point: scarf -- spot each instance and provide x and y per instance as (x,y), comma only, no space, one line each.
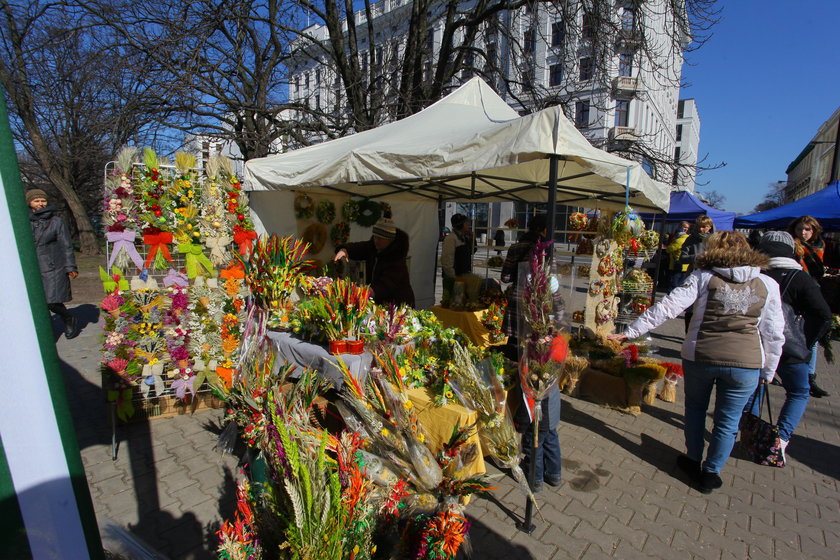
(784,262)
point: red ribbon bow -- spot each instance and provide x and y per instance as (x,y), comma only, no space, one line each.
(244,238)
(157,242)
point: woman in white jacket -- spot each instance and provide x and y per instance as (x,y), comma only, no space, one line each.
(734,339)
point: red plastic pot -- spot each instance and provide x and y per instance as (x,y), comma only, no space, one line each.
(355,346)
(338,347)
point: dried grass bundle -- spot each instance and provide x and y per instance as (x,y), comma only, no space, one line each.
(570,379)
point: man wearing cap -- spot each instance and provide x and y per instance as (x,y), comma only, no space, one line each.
(458,248)
(55,257)
(386,268)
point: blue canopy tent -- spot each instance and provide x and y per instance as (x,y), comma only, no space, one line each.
(686,207)
(824,205)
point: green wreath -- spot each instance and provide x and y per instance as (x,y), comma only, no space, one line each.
(325,212)
(369,213)
(303,206)
(350,211)
(340,233)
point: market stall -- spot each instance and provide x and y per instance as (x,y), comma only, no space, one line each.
(489,154)
(824,205)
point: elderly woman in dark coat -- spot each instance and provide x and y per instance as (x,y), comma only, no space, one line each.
(55,257)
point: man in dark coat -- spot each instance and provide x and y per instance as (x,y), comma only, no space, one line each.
(386,268)
(55,257)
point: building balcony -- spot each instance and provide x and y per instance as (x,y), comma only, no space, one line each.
(624,134)
(625,85)
(629,37)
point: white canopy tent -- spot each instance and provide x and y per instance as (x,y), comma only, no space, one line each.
(469,146)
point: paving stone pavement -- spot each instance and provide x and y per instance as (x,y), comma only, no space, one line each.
(621,496)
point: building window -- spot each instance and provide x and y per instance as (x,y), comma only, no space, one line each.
(558,34)
(622,112)
(628,20)
(582,114)
(467,70)
(679,132)
(680,109)
(648,167)
(625,64)
(555,74)
(677,154)
(364,58)
(430,40)
(378,56)
(318,101)
(528,76)
(586,68)
(297,87)
(306,81)
(675,180)
(529,43)
(491,56)
(318,77)
(587,30)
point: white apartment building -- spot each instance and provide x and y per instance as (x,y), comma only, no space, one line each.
(811,170)
(618,98)
(687,145)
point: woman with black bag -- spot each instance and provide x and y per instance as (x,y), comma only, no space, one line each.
(802,297)
(810,249)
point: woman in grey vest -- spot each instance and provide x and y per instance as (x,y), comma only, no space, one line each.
(735,337)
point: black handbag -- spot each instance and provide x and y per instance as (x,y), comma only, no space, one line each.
(795,346)
(760,438)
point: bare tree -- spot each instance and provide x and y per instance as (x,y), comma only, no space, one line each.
(713,198)
(71,104)
(221,62)
(377,80)
(774,198)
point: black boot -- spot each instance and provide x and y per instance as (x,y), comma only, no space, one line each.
(816,391)
(71,326)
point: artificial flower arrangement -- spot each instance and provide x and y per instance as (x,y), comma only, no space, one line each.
(542,343)
(334,313)
(673,373)
(492,321)
(273,271)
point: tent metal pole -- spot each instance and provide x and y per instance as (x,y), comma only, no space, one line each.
(527,525)
(627,189)
(552,198)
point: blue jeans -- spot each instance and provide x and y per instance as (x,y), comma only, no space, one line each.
(734,388)
(797,392)
(548,453)
(812,365)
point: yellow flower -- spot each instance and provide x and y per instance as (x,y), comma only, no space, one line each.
(385,432)
(421,438)
(407,405)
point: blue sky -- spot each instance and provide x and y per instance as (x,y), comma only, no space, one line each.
(764,83)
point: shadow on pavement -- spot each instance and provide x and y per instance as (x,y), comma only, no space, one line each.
(651,450)
(486,543)
(816,454)
(179,537)
(86,314)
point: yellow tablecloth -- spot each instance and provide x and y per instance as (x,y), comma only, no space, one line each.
(468,321)
(439,423)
